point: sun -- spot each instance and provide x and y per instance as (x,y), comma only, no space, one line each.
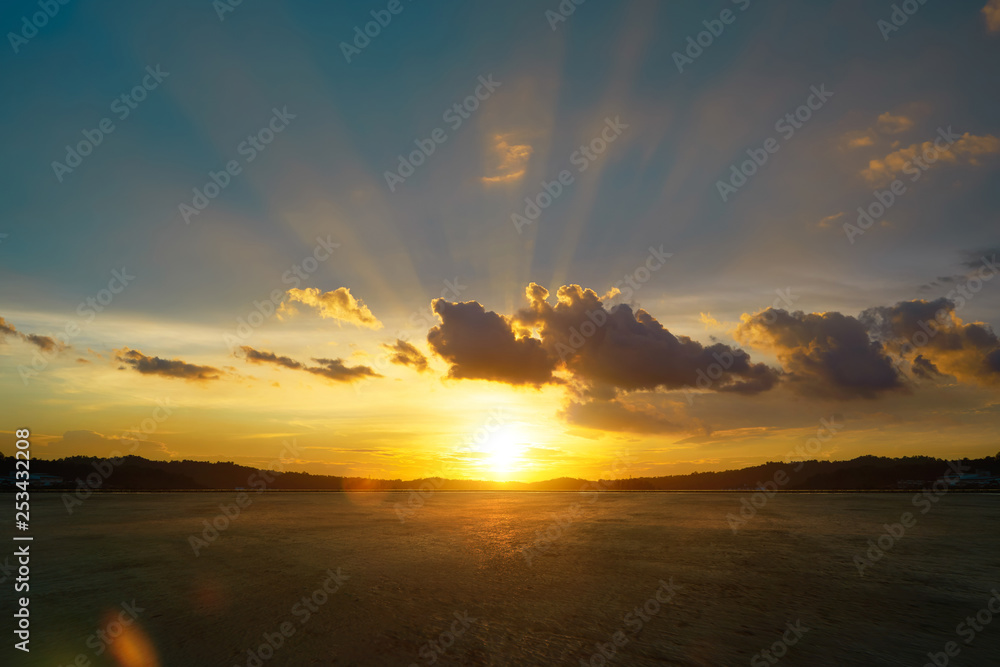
(505,451)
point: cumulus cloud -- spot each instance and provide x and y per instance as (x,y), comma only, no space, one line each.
(481,344)
(174,368)
(602,350)
(331,369)
(967,147)
(937,340)
(511,160)
(405,354)
(826,354)
(633,351)
(44,343)
(991,12)
(338,304)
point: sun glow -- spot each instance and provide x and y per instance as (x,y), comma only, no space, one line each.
(505,452)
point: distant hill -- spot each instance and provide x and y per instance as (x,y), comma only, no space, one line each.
(865,473)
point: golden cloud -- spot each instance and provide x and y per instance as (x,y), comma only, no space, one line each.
(919,156)
(894,124)
(511,160)
(338,304)
(992,14)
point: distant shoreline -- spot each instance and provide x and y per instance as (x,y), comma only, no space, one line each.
(440,491)
(80,476)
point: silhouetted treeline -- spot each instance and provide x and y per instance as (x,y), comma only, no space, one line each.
(863,473)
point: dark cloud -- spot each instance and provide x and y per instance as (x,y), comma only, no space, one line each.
(405,354)
(335,369)
(932,330)
(633,351)
(264,357)
(174,368)
(825,353)
(481,344)
(940,282)
(603,351)
(976,259)
(924,369)
(332,369)
(44,343)
(6,329)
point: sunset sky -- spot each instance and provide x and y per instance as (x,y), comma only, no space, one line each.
(649,310)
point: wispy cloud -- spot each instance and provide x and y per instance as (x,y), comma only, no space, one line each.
(172,368)
(968,147)
(511,160)
(331,369)
(894,124)
(44,343)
